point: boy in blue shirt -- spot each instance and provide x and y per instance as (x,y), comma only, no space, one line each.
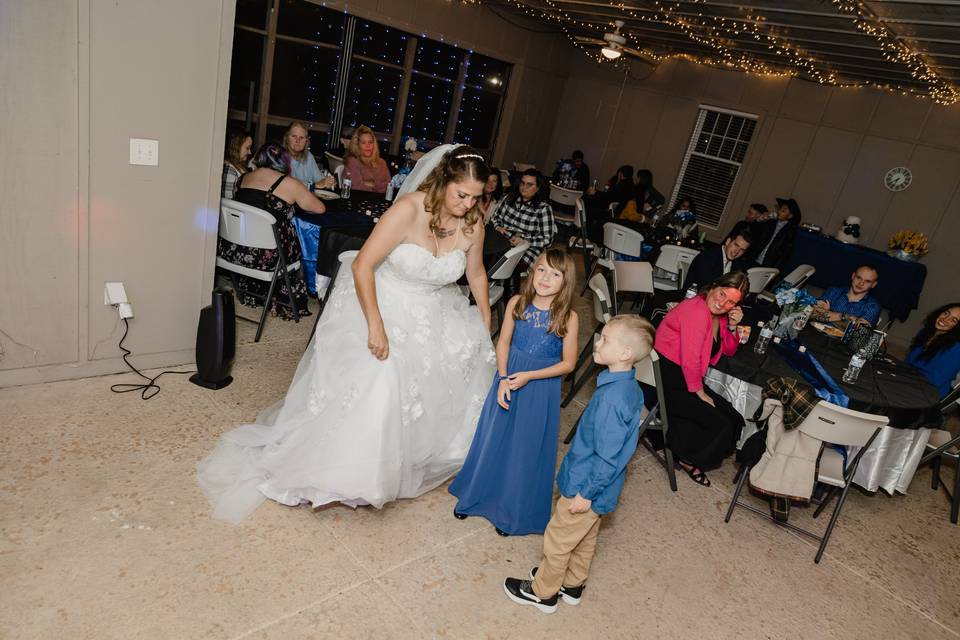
(592,473)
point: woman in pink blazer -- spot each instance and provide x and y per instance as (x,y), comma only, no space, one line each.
(704,428)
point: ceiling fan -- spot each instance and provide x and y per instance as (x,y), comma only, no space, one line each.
(614,44)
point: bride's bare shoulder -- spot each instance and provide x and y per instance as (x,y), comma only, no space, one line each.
(408,207)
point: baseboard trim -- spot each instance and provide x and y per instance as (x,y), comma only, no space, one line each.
(90,369)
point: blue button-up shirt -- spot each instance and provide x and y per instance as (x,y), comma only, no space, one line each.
(596,464)
(868,308)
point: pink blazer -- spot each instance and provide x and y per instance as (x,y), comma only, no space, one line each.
(685,338)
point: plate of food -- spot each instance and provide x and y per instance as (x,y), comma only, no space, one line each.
(828,329)
(323,194)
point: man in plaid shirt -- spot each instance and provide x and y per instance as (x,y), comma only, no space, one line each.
(525,215)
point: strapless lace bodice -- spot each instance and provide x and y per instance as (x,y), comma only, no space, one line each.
(415,269)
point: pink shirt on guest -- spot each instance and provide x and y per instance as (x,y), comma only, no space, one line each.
(685,337)
(363,177)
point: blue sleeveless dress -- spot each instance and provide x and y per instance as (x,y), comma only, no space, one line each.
(508,475)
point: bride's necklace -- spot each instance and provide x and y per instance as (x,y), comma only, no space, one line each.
(444,234)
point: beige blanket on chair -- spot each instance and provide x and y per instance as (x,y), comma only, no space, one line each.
(788,466)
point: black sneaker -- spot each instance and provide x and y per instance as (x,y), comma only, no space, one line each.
(570,595)
(521,592)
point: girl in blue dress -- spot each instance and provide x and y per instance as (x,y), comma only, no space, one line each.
(508,475)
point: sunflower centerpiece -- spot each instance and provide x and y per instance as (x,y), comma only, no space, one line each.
(908,245)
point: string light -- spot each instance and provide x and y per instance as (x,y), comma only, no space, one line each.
(716,33)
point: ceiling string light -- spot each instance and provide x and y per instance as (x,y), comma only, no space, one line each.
(719,33)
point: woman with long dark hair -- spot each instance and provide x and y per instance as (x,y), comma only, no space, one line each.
(492,194)
(704,427)
(525,215)
(935,350)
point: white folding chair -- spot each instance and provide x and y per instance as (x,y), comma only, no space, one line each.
(648,373)
(760,277)
(831,424)
(623,240)
(499,274)
(632,277)
(796,278)
(505,178)
(334,162)
(252,227)
(683,268)
(338,171)
(523,166)
(667,274)
(566,198)
(580,239)
(603,310)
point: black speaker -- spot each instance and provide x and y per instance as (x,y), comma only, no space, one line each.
(216,342)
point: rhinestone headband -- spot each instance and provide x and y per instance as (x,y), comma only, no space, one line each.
(469,155)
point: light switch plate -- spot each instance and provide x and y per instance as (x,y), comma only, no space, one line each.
(144,151)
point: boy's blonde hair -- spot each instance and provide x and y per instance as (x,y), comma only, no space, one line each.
(635,332)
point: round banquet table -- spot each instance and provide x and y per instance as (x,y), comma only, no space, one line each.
(886,386)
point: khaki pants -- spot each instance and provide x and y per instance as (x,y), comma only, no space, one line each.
(568,546)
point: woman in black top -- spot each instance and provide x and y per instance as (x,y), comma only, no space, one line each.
(269,188)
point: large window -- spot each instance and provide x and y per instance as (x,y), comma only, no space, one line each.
(301,61)
(713,160)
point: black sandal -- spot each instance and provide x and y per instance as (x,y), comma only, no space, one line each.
(696,474)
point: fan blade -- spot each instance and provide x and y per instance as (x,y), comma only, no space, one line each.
(640,54)
(588,40)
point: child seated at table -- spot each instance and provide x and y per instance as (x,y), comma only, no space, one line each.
(593,471)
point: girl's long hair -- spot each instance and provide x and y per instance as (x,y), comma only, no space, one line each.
(941,342)
(560,307)
(458,164)
(235,139)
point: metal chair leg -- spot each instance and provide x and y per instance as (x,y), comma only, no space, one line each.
(670,465)
(573,431)
(935,473)
(587,348)
(955,496)
(825,501)
(833,521)
(736,493)
(266,304)
(578,384)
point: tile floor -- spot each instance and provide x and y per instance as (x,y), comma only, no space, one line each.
(105,535)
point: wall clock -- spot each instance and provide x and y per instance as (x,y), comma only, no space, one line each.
(898,179)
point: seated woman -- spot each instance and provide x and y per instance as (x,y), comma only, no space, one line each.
(935,350)
(236,152)
(363,166)
(492,194)
(268,187)
(645,199)
(704,428)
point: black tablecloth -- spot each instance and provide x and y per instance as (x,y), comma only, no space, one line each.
(900,284)
(886,386)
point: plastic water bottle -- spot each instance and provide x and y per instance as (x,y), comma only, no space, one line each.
(345,189)
(390,191)
(691,291)
(763,339)
(852,372)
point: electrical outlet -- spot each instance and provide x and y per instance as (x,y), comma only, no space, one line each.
(114,293)
(144,152)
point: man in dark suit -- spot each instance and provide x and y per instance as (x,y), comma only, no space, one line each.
(774,241)
(712,263)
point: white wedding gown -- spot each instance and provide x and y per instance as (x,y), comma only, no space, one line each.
(358,430)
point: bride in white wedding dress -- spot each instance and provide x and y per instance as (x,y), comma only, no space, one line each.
(386,398)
